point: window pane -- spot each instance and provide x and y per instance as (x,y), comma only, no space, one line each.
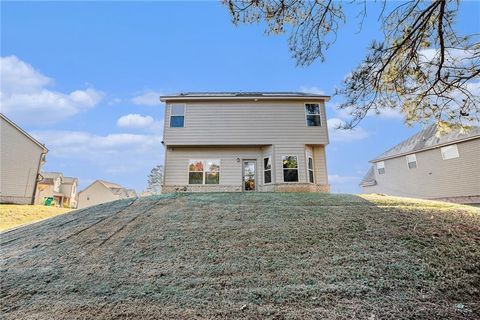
(313,121)
(213,165)
(195,165)
(178,110)
(268,176)
(310,175)
(310,163)
(290,175)
(249,168)
(312,108)
(195,178)
(212,178)
(267,163)
(290,162)
(381,170)
(176,121)
(412,165)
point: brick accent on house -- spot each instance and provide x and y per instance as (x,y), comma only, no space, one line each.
(282,187)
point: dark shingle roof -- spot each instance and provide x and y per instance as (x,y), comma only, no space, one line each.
(244,94)
(428,139)
(369,179)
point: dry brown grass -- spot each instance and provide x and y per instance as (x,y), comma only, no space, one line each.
(12,215)
(261,256)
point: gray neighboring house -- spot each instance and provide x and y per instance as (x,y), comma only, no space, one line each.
(429,166)
(101,191)
(245,141)
(21,158)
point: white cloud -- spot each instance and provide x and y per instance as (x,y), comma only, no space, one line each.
(314,90)
(149,98)
(25,98)
(335,178)
(343,135)
(134,121)
(112,152)
(386,113)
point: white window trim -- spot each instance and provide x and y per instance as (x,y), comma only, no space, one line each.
(319,114)
(204,171)
(283,169)
(457,154)
(308,155)
(408,162)
(271,169)
(380,167)
(184,115)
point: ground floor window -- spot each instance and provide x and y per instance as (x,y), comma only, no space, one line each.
(267,170)
(290,168)
(311,176)
(204,172)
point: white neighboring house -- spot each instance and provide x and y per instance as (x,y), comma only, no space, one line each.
(21,158)
(101,191)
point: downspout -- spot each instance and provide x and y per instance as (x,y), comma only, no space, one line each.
(42,156)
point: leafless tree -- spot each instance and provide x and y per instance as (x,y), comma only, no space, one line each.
(424,68)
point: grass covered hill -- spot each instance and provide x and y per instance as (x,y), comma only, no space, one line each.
(262,256)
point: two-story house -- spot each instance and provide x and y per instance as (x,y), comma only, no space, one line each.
(62,189)
(429,165)
(245,141)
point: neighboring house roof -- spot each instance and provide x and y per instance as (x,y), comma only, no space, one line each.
(115,189)
(69,180)
(50,177)
(242,95)
(428,139)
(369,179)
(41,145)
(110,185)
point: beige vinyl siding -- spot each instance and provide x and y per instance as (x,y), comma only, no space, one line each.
(176,166)
(433,177)
(19,161)
(320,165)
(95,194)
(245,123)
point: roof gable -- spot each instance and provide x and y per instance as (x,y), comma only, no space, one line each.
(42,146)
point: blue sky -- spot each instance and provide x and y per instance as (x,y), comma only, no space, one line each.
(85,78)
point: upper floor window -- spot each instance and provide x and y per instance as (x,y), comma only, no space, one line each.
(450,152)
(381,167)
(312,112)
(267,170)
(290,168)
(311,176)
(177,116)
(204,172)
(411,161)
